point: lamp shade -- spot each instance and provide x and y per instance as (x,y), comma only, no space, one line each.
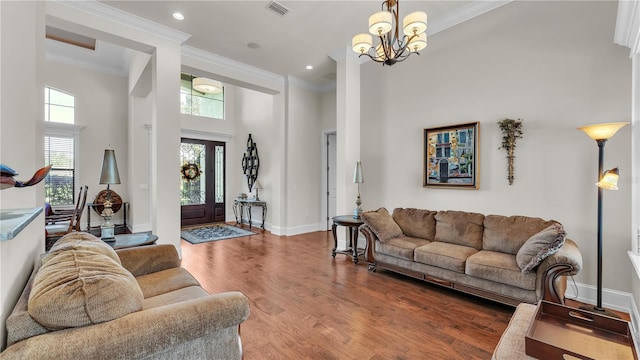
(361,43)
(257,185)
(603,131)
(380,23)
(207,86)
(109,173)
(418,43)
(357,174)
(414,23)
(609,179)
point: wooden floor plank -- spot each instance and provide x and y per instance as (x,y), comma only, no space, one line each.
(307,305)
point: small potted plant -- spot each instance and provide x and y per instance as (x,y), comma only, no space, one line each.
(511,130)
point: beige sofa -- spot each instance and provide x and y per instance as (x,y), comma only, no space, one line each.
(86,301)
(506,259)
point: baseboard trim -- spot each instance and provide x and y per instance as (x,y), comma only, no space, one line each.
(611,299)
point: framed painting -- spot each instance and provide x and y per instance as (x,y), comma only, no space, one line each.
(451,156)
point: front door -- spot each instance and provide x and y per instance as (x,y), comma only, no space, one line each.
(202,168)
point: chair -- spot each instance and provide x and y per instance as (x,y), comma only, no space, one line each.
(60,222)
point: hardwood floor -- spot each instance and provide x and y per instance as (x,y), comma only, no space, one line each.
(306,305)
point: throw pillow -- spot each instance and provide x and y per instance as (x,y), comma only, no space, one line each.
(80,287)
(81,240)
(382,224)
(540,246)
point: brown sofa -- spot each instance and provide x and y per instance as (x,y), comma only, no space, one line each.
(506,259)
(86,301)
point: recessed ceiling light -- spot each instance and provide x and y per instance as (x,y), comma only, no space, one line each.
(178,16)
(309,67)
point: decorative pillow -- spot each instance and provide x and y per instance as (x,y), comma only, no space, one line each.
(540,246)
(79,287)
(81,240)
(382,224)
(416,223)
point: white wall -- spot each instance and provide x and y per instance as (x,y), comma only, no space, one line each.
(553,64)
(101,108)
(303,153)
(254,114)
(21,144)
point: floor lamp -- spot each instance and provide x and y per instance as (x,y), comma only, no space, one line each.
(607,180)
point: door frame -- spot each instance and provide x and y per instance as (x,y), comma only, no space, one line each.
(325,222)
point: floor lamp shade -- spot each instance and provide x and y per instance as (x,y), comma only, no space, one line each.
(608,180)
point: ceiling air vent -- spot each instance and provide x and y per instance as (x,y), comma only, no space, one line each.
(277,8)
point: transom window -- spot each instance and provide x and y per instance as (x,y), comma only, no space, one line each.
(59,106)
(194,102)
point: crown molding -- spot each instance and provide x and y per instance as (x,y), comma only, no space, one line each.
(464,13)
(198,54)
(59,53)
(99,9)
(627,31)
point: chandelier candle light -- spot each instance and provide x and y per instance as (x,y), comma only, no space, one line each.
(606,180)
(385,25)
(109,175)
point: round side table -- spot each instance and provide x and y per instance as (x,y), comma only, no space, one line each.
(352,226)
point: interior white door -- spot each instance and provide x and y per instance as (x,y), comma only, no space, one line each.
(331,178)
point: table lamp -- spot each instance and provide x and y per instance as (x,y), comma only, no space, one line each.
(358,179)
(109,175)
(257,186)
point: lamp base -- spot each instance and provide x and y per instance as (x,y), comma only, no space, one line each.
(599,311)
(107,231)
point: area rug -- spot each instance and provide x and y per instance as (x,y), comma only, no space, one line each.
(215,232)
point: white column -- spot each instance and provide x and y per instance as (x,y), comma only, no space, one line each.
(165,145)
(348,130)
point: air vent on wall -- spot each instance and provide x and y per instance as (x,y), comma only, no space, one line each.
(277,8)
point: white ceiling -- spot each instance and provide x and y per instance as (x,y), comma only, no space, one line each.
(306,35)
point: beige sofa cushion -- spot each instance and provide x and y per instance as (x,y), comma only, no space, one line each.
(444,255)
(80,240)
(416,222)
(540,246)
(460,227)
(382,224)
(500,268)
(165,281)
(79,287)
(508,234)
(400,247)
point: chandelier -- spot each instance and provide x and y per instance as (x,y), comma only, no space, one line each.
(385,25)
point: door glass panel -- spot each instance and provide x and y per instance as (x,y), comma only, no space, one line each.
(192,171)
(219,173)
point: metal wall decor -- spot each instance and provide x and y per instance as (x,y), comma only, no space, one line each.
(251,162)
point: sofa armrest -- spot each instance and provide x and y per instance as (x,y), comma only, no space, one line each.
(369,247)
(552,272)
(148,259)
(142,334)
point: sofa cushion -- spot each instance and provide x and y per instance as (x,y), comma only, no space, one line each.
(444,255)
(508,234)
(499,267)
(400,247)
(382,224)
(459,227)
(165,281)
(540,246)
(79,287)
(174,297)
(416,223)
(77,241)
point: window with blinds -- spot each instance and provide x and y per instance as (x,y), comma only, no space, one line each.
(60,182)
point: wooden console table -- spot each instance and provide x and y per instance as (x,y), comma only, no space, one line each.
(242,205)
(352,226)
